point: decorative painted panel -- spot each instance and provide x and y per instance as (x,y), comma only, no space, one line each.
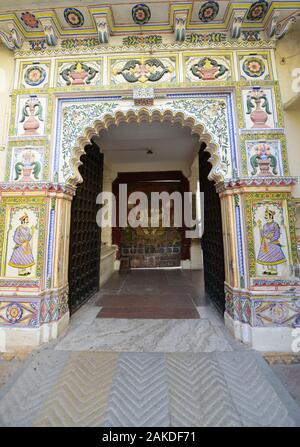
(270,229)
(255,66)
(213,111)
(31,116)
(22,224)
(39,151)
(143,69)
(263,311)
(27,164)
(21,313)
(264,155)
(259,108)
(208,67)
(34,75)
(78,73)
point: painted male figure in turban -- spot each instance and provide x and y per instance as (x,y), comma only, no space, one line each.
(22,257)
(270,254)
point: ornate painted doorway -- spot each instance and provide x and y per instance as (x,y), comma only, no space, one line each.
(212,238)
(85,234)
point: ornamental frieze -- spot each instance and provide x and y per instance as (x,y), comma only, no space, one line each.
(144,70)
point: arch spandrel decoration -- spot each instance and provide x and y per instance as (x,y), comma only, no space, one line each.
(207,118)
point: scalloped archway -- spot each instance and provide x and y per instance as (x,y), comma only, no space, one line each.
(144,116)
(141,116)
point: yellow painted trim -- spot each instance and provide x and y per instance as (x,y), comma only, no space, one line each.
(272,263)
(11,264)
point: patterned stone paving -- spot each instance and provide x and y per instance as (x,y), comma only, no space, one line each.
(137,372)
(59,388)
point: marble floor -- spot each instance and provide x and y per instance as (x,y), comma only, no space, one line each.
(138,372)
(137,293)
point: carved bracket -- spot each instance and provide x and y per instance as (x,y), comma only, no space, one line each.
(103,28)
(180,23)
(235,26)
(50,32)
(277,29)
(13,39)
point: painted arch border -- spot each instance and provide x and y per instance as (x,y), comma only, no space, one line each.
(133,113)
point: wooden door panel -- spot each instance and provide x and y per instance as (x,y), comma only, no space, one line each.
(85,235)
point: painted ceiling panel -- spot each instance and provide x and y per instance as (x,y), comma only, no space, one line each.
(69,18)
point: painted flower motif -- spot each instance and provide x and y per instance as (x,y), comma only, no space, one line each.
(29,19)
(279,313)
(73,17)
(208,11)
(14,312)
(141,14)
(258,10)
(35,76)
(254,67)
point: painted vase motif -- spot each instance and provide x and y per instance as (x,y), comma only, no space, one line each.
(32,109)
(257,100)
(263,160)
(208,69)
(78,74)
(28,169)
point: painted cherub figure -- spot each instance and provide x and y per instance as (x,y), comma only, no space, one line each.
(270,254)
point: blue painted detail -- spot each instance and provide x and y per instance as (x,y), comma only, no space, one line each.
(230,108)
(240,241)
(59,121)
(50,246)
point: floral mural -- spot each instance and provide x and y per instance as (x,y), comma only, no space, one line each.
(254,67)
(141,14)
(143,70)
(73,17)
(208,11)
(34,76)
(29,20)
(257,11)
(210,111)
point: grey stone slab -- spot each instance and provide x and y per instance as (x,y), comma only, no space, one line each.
(139,395)
(252,391)
(25,396)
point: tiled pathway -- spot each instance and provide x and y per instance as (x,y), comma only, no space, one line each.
(118,372)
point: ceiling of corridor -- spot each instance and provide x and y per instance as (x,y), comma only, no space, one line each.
(129,143)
